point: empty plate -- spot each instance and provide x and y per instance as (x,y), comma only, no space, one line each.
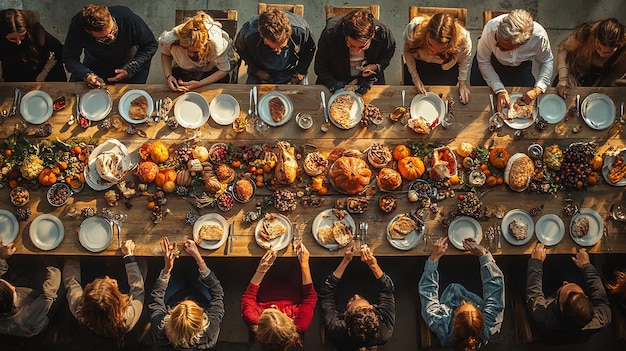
(552,108)
(46,232)
(191,110)
(351,116)
(8,227)
(224,109)
(518,123)
(522,216)
(124,105)
(264,108)
(410,240)
(550,229)
(96,104)
(210,218)
(596,226)
(464,227)
(95,234)
(279,243)
(36,107)
(599,109)
(428,106)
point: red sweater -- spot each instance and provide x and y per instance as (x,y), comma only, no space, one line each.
(300,311)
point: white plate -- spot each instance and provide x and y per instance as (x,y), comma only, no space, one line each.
(124,105)
(46,232)
(552,108)
(96,104)
(191,110)
(522,216)
(36,107)
(464,227)
(607,164)
(264,108)
(95,234)
(326,218)
(92,178)
(8,227)
(598,108)
(410,241)
(355,112)
(210,218)
(518,123)
(278,243)
(596,226)
(550,229)
(224,109)
(428,106)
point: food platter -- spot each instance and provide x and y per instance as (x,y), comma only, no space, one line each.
(410,241)
(191,110)
(264,108)
(326,218)
(552,108)
(46,232)
(522,216)
(355,110)
(596,226)
(95,234)
(598,111)
(550,229)
(36,106)
(123,105)
(224,109)
(607,164)
(92,178)
(519,123)
(96,104)
(464,227)
(428,106)
(279,243)
(9,227)
(210,218)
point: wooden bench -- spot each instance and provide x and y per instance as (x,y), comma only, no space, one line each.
(516,304)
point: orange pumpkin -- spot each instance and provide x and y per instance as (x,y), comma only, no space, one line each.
(47,177)
(159,152)
(411,167)
(499,157)
(145,150)
(401,151)
(165,175)
(350,174)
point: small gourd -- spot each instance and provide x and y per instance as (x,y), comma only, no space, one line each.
(183,178)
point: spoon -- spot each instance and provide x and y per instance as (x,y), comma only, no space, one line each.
(621,113)
(326,123)
(157,117)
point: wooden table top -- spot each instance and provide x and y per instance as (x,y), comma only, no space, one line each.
(471,125)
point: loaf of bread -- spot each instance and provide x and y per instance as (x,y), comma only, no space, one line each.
(518,171)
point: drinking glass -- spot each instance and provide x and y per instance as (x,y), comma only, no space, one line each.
(618,213)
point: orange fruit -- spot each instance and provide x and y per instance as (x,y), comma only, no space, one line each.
(401,151)
(151,205)
(236,164)
(454,180)
(499,180)
(317,183)
(491,181)
(323,190)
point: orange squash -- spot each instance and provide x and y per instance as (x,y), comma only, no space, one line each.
(401,151)
(145,150)
(47,177)
(165,175)
(350,174)
(411,167)
(499,157)
(159,152)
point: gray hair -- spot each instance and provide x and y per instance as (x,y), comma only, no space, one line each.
(516,27)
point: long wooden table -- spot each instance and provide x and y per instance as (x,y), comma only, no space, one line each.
(471,125)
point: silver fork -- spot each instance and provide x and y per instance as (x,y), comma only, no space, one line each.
(426,239)
(365,227)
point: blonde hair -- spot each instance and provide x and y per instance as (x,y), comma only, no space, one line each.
(275,330)
(440,27)
(467,326)
(194,33)
(185,324)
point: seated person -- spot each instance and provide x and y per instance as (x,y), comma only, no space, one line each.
(188,306)
(101,306)
(575,311)
(504,55)
(437,51)
(460,317)
(201,51)
(25,311)
(28,53)
(117,45)
(594,55)
(279,311)
(355,47)
(278,47)
(362,324)
(617,288)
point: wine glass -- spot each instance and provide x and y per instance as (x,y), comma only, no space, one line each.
(618,213)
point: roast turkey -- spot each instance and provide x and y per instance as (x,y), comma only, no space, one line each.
(287,166)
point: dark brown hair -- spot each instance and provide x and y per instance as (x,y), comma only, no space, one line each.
(577,309)
(6,297)
(359,25)
(15,21)
(95,18)
(274,26)
(362,324)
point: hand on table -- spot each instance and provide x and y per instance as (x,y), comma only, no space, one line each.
(128,247)
(539,252)
(531,95)
(474,248)
(561,87)
(419,86)
(464,93)
(439,247)
(502,101)
(93,80)
(170,253)
(7,250)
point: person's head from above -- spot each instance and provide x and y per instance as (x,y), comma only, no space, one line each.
(609,38)
(185,324)
(7,297)
(358,30)
(574,304)
(193,35)
(467,325)
(515,30)
(98,22)
(14,26)
(275,29)
(618,288)
(275,331)
(102,308)
(361,320)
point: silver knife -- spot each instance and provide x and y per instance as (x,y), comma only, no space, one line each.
(255,96)
(231,236)
(499,228)
(16,101)
(608,238)
(230,232)
(119,239)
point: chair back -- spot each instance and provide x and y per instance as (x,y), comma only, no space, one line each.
(460,14)
(297,9)
(489,14)
(332,11)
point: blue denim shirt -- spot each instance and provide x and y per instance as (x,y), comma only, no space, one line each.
(439,312)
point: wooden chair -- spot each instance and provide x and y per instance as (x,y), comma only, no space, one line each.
(516,302)
(460,14)
(228,20)
(332,11)
(489,14)
(297,9)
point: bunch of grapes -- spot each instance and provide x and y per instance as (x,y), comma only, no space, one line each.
(244,153)
(285,200)
(225,202)
(184,154)
(575,166)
